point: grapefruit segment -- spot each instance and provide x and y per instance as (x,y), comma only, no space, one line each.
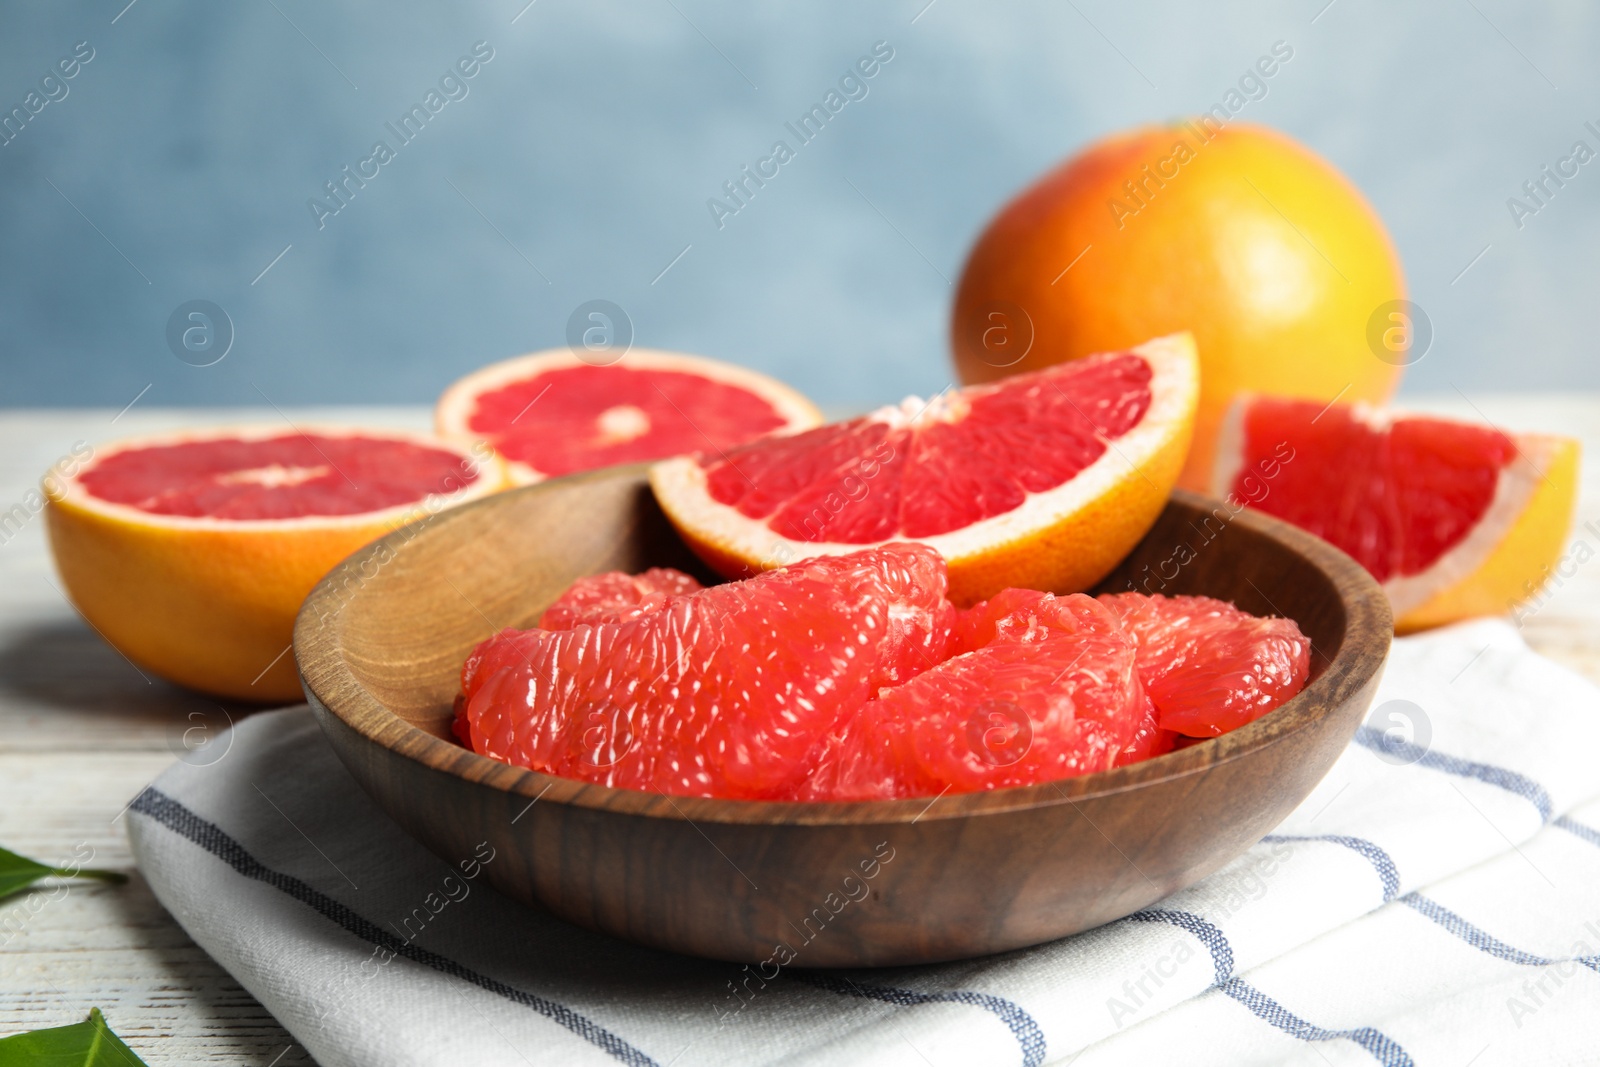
(1149,740)
(1052,693)
(191,552)
(853,678)
(1453,518)
(726,691)
(1207,666)
(550,413)
(1043,481)
(616,597)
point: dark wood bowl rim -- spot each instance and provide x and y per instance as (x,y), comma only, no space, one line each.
(324,671)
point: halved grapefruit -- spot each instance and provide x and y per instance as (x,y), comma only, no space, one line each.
(191,552)
(1041,481)
(1455,519)
(550,413)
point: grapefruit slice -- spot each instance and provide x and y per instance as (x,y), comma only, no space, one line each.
(191,552)
(727,691)
(550,413)
(1043,480)
(1455,519)
(1207,666)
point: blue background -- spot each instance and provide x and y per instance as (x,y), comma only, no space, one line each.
(181,161)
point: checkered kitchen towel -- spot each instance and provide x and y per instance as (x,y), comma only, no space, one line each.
(1435,901)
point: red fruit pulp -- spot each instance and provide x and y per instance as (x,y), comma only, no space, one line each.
(853,678)
(1051,692)
(288,476)
(578,418)
(616,597)
(727,691)
(1209,667)
(1395,495)
(964,457)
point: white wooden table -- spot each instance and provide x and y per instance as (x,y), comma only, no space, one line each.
(81,732)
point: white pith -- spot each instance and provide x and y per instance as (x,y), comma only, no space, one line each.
(72,491)
(1514,489)
(458,402)
(680,483)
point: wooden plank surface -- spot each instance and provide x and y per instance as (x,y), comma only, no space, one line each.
(82,731)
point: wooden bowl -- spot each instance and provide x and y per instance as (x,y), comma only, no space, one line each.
(380,645)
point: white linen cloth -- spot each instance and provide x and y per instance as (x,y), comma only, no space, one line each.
(1435,901)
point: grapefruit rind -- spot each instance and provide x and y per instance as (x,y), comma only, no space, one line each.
(456,405)
(210,603)
(1062,540)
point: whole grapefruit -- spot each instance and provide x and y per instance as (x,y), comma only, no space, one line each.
(1236,233)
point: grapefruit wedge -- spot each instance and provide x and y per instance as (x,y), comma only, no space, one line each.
(1041,481)
(191,552)
(551,413)
(1455,519)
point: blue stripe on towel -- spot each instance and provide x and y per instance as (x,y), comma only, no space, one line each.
(180,820)
(1213,939)
(1578,829)
(1383,1048)
(1381,861)
(1023,1026)
(1509,780)
(1484,941)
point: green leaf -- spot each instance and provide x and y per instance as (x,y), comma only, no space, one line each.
(19,872)
(87,1044)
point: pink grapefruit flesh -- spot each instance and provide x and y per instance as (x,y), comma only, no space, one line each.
(726,691)
(285,476)
(1453,518)
(1207,666)
(854,678)
(551,413)
(1051,693)
(1043,480)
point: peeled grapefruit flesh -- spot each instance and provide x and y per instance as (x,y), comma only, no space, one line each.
(853,678)
(1455,519)
(1236,232)
(726,691)
(1051,692)
(192,552)
(1207,666)
(551,413)
(616,597)
(1042,481)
